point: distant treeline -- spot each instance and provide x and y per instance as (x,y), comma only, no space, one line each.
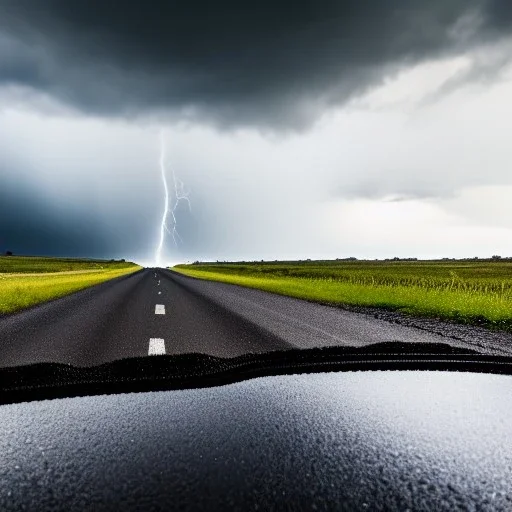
(306,261)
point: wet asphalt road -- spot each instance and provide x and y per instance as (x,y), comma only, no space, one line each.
(158,311)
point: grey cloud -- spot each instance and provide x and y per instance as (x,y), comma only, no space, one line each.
(31,225)
(487,66)
(402,198)
(233,63)
(394,187)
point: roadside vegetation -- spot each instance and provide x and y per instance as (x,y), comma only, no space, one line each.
(468,291)
(27,280)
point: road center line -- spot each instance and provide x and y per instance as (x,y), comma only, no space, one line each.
(156,346)
(159,309)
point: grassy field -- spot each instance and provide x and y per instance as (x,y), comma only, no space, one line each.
(468,291)
(26,281)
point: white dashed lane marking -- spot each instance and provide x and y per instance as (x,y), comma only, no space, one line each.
(156,347)
(159,309)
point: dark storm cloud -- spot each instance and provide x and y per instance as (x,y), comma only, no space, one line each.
(262,63)
(31,223)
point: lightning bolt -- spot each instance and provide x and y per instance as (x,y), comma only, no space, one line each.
(180,194)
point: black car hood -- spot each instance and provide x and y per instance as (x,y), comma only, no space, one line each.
(379,440)
(187,371)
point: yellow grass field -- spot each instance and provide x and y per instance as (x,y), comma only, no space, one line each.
(25,288)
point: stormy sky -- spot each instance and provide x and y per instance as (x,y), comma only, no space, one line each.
(313,129)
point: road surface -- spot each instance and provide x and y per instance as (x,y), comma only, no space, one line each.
(157,311)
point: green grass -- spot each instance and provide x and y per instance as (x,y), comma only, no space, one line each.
(26,281)
(38,264)
(474,292)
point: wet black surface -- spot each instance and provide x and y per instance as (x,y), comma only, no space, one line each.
(349,441)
